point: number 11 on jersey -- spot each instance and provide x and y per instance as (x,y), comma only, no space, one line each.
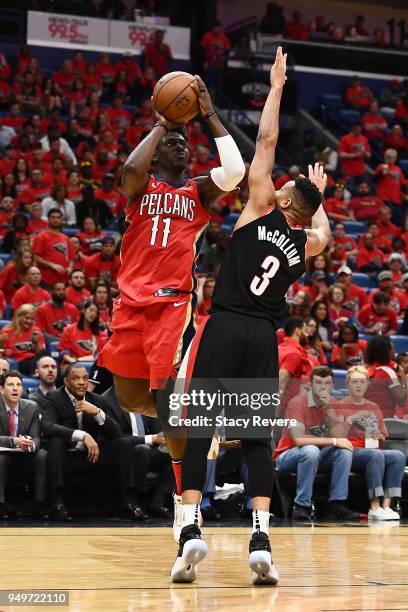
(260,283)
(155,229)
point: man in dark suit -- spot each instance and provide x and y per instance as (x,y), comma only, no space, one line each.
(81,433)
(147,439)
(20,443)
(47,372)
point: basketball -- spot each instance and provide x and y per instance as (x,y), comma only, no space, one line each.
(174,98)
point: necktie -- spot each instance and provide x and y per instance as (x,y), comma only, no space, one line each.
(12,423)
(140,424)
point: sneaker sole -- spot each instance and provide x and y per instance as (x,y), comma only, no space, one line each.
(263,570)
(184,568)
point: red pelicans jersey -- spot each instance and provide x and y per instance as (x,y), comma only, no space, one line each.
(159,246)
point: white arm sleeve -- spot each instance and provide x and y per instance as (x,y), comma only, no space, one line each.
(232,169)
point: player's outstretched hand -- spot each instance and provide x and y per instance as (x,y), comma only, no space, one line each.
(204,99)
(318,176)
(278,71)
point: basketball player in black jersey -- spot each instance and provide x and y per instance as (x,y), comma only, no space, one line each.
(267,254)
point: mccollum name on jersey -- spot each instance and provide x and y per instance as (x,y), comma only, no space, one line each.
(282,242)
(168,204)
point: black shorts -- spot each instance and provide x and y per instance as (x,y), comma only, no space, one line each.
(235,359)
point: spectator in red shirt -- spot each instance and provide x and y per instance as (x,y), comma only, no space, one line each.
(374,123)
(8,162)
(337,209)
(365,206)
(202,163)
(83,340)
(135,131)
(388,381)
(361,421)
(325,327)
(106,71)
(104,265)
(76,293)
(22,176)
(31,292)
(294,365)
(64,79)
(386,227)
(90,237)
(337,297)
(356,296)
(314,346)
(110,195)
(78,64)
(15,119)
(103,300)
(397,264)
(55,315)
(196,135)
(378,317)
(119,117)
(347,243)
(216,46)
(306,446)
(14,274)
(295,29)
(107,143)
(102,166)
(396,140)
(53,251)
(358,96)
(369,258)
(381,242)
(22,340)
(57,174)
(28,93)
(354,150)
(92,80)
(38,190)
(386,285)
(7,213)
(158,54)
(389,183)
(36,223)
(349,350)
(128,64)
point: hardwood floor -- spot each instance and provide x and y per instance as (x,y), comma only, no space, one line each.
(322,568)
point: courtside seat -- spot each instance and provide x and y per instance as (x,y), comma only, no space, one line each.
(400,343)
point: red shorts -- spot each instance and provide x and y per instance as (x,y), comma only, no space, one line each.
(149,341)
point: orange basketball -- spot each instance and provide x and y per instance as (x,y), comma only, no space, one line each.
(174,98)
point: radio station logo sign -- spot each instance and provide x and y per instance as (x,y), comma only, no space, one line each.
(69,29)
(140,36)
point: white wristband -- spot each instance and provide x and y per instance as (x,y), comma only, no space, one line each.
(149,439)
(334,442)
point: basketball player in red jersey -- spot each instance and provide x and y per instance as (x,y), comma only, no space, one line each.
(166,215)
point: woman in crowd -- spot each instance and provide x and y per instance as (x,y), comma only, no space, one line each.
(325,328)
(90,236)
(322,263)
(13,275)
(8,186)
(349,350)
(79,257)
(336,207)
(337,313)
(301,305)
(104,303)
(74,191)
(59,199)
(205,290)
(22,175)
(82,341)
(314,345)
(21,340)
(388,386)
(361,421)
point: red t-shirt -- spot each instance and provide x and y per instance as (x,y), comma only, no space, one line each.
(53,320)
(19,345)
(2,301)
(215,46)
(381,243)
(296,31)
(346,408)
(351,144)
(303,410)
(24,295)
(90,243)
(75,297)
(107,72)
(366,257)
(102,269)
(389,230)
(356,298)
(365,208)
(382,379)
(55,247)
(388,186)
(6,221)
(355,353)
(347,243)
(9,281)
(338,207)
(294,359)
(368,317)
(158,56)
(198,169)
(394,303)
(35,226)
(158,247)
(374,125)
(81,343)
(359,96)
(113,199)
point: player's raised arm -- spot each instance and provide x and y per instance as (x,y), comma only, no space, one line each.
(261,189)
(137,165)
(232,170)
(318,236)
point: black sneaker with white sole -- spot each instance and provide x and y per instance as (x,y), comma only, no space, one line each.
(260,560)
(192,550)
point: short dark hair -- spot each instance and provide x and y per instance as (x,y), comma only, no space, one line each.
(73,366)
(53,211)
(291,324)
(10,374)
(379,350)
(350,326)
(307,197)
(81,321)
(322,371)
(381,298)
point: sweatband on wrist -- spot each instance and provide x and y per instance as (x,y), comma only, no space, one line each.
(232,169)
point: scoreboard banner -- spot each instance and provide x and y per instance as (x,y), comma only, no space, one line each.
(88,33)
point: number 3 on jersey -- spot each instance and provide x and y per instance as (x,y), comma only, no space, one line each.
(259,284)
(155,229)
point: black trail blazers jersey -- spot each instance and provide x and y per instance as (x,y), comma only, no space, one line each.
(264,258)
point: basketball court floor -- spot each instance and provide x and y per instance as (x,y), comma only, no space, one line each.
(323,567)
